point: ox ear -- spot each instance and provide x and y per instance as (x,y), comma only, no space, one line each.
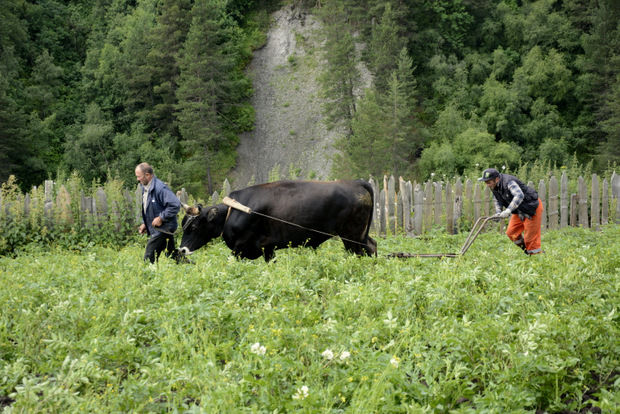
(211,213)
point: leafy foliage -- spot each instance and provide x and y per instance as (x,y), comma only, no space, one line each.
(65,227)
(98,87)
(316,331)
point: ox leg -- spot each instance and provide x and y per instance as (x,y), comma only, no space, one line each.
(269,253)
(368,249)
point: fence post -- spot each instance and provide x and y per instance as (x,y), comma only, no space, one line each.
(428,206)
(553,212)
(542,194)
(582,190)
(183,196)
(615,194)
(438,203)
(574,202)
(375,205)
(382,213)
(127,208)
(138,204)
(595,206)
(564,201)
(406,203)
(409,189)
(226,188)
(458,204)
(449,209)
(468,201)
(418,213)
(48,204)
(27,205)
(63,207)
(102,205)
(486,203)
(390,204)
(605,203)
(477,201)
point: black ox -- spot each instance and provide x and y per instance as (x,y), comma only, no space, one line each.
(285,214)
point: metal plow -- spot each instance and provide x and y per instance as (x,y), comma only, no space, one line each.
(475,231)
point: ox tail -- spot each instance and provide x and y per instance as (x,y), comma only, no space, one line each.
(370,243)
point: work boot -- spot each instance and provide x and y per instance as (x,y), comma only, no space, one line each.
(520,242)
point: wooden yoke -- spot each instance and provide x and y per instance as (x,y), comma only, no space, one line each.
(236,205)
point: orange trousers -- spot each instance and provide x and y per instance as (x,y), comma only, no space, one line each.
(526,233)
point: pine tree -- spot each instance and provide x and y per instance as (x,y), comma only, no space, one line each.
(340,76)
(385,45)
(166,40)
(399,105)
(206,88)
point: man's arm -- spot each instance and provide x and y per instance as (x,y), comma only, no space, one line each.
(171,204)
(517,194)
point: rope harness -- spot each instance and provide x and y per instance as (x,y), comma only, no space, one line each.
(231,203)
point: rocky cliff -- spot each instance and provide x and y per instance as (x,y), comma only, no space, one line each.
(289,130)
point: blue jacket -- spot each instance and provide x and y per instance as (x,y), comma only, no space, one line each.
(162,202)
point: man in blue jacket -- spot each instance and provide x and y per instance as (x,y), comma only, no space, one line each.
(159,214)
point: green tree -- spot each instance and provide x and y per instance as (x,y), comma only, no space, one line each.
(91,150)
(12,134)
(209,86)
(385,45)
(166,39)
(340,77)
(399,105)
(365,152)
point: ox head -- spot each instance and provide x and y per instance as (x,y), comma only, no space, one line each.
(200,226)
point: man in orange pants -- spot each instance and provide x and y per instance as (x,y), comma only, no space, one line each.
(520,201)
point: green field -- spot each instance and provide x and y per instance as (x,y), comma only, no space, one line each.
(318,331)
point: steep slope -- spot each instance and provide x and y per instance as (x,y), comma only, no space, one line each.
(289,132)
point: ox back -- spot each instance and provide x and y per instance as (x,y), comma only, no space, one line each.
(318,210)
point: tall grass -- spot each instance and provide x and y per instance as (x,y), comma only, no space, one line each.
(320,331)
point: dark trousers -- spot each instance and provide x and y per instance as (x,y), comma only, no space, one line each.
(158,244)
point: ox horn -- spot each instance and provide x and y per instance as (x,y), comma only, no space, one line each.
(192,211)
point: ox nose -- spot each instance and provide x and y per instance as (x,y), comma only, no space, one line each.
(184,251)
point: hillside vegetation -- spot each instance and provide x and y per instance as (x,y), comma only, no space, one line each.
(97,86)
(316,331)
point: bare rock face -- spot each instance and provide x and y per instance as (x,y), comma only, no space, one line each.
(289,134)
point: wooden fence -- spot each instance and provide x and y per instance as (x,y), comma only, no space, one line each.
(400,207)
(414,208)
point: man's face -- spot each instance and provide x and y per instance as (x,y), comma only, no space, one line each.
(143,178)
(492,183)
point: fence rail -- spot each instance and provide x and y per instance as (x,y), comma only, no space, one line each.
(400,206)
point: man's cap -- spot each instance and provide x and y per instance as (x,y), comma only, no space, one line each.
(489,174)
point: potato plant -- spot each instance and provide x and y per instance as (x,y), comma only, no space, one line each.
(321,331)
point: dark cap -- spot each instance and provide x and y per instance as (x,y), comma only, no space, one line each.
(489,174)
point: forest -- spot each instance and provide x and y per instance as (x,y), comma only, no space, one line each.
(95,87)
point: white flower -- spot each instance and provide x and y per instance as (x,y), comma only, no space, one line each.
(258,349)
(477,165)
(328,354)
(503,167)
(330,325)
(301,393)
(395,361)
(344,355)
